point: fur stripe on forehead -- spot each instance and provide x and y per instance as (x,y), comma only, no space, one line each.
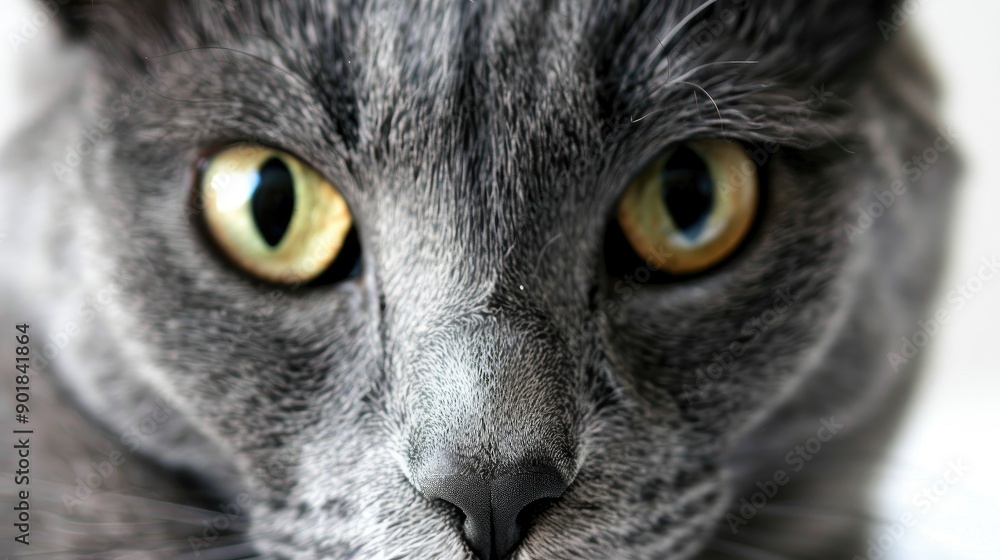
(732,58)
(809,26)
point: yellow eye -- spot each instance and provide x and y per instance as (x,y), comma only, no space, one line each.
(273,215)
(692,207)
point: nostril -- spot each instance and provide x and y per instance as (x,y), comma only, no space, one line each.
(497,511)
(471,495)
(531,512)
(516,531)
(517,499)
(452,512)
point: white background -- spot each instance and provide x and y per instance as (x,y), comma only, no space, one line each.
(957,416)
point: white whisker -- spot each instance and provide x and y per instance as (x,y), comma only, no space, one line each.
(687,19)
(683,77)
(703,90)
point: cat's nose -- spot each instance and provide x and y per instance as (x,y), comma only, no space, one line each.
(492,506)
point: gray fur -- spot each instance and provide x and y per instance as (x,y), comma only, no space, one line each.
(482,146)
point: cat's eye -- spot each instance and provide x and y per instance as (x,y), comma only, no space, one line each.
(692,207)
(273,215)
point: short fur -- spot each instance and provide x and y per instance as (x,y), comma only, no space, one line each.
(482,146)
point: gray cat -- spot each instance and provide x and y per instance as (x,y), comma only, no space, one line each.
(362,279)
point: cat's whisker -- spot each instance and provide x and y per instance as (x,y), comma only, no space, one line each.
(149,508)
(690,73)
(654,55)
(710,98)
(635,120)
(152,504)
(233,546)
(49,555)
(683,23)
(699,88)
(649,89)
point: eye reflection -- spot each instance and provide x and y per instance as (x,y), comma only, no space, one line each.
(688,210)
(274,216)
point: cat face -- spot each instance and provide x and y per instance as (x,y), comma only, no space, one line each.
(496,370)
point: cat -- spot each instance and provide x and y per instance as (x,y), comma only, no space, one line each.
(494,363)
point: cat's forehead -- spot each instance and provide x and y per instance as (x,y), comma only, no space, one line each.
(439,48)
(385,67)
(498,109)
(400,76)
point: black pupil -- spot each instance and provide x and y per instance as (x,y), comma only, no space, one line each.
(273,201)
(688,191)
